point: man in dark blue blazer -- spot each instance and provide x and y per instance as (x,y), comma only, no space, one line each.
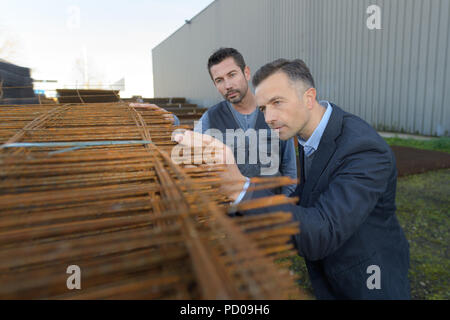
(350,237)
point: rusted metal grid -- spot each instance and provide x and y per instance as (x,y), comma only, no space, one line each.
(137,225)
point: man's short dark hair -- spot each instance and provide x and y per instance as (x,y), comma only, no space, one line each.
(224,53)
(296,70)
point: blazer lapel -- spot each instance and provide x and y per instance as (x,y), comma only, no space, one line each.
(324,152)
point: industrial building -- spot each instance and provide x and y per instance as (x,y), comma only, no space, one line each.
(396,77)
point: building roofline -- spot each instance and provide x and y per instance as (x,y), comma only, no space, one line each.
(184,24)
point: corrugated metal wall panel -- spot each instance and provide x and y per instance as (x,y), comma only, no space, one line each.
(445,106)
(396,78)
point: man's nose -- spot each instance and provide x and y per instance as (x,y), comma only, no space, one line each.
(228,84)
(269,115)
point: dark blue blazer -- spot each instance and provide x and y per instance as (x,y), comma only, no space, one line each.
(347,214)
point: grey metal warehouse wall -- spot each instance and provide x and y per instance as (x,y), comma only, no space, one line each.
(396,78)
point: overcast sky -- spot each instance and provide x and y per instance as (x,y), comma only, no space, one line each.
(56,38)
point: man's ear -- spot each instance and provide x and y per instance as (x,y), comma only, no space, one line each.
(247,73)
(310,97)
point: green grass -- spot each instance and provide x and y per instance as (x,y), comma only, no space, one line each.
(423,209)
(436,144)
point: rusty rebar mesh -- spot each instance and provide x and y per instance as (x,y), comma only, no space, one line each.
(187,113)
(138,225)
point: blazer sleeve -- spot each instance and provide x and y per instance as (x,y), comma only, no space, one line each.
(353,191)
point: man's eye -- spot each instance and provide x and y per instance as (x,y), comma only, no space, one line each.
(277,102)
(218,81)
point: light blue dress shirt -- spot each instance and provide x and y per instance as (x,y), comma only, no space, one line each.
(312,143)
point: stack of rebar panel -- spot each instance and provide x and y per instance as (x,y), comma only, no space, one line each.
(165,100)
(94,186)
(87,95)
(187,113)
(16,85)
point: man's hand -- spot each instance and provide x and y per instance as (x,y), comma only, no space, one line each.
(232,181)
(166,115)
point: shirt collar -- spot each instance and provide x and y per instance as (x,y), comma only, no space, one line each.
(312,143)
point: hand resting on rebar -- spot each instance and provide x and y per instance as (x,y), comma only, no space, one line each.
(166,115)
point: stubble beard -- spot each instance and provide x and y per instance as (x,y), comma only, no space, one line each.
(241,95)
